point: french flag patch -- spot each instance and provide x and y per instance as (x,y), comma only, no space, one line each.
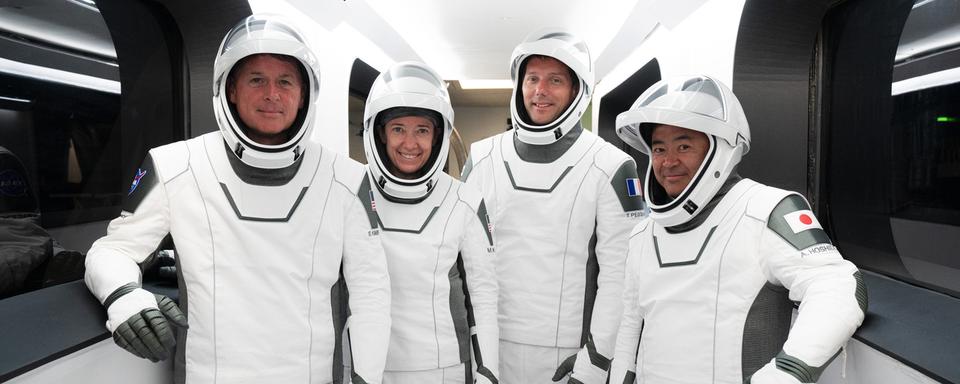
(373,202)
(633,187)
(800,221)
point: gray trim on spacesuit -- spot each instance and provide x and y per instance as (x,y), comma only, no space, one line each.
(364,192)
(415,231)
(656,248)
(143,182)
(800,370)
(861,291)
(627,171)
(485,221)
(262,176)
(552,187)
(339,311)
(236,210)
(467,168)
(548,153)
(766,328)
(458,309)
(803,239)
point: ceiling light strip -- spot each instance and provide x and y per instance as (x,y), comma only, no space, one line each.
(58,76)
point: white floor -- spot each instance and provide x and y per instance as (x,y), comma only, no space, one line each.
(101,363)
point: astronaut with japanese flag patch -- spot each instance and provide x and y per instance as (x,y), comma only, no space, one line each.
(712,276)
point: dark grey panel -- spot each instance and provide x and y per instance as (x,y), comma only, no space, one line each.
(656,248)
(860,44)
(417,231)
(545,154)
(803,239)
(485,221)
(203,25)
(143,181)
(771,77)
(241,216)
(916,326)
(149,52)
(41,326)
(548,190)
(765,328)
(460,312)
(365,194)
(262,176)
(627,171)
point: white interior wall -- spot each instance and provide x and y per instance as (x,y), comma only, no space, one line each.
(702,43)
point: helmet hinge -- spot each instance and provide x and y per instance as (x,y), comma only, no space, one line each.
(239,151)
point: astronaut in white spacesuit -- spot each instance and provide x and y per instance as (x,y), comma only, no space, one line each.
(563,202)
(436,235)
(712,275)
(270,229)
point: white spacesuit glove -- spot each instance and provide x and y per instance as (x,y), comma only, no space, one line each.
(582,370)
(769,374)
(481,379)
(139,322)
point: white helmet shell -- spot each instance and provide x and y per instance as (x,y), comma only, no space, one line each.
(406,85)
(698,103)
(573,53)
(264,34)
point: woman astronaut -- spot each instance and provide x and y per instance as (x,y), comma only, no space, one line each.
(436,235)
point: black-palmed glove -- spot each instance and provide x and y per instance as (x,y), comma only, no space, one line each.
(145,330)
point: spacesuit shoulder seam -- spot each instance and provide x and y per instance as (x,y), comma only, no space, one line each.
(468,195)
(764,200)
(608,159)
(171,160)
(348,173)
(482,149)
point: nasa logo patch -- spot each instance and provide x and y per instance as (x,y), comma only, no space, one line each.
(136,180)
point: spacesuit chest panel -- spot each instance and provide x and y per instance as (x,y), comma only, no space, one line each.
(293,263)
(686,248)
(258,202)
(702,298)
(542,177)
(411,218)
(562,193)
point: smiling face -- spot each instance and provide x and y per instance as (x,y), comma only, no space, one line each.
(268,94)
(547,89)
(409,143)
(676,155)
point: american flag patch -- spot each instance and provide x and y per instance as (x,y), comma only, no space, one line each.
(633,187)
(802,220)
(373,202)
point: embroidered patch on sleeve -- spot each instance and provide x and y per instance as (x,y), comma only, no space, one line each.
(802,220)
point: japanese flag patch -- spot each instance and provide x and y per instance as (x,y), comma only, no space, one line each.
(802,220)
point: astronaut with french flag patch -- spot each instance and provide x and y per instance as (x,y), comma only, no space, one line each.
(712,277)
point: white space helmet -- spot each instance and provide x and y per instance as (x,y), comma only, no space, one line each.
(701,104)
(405,89)
(268,34)
(570,51)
